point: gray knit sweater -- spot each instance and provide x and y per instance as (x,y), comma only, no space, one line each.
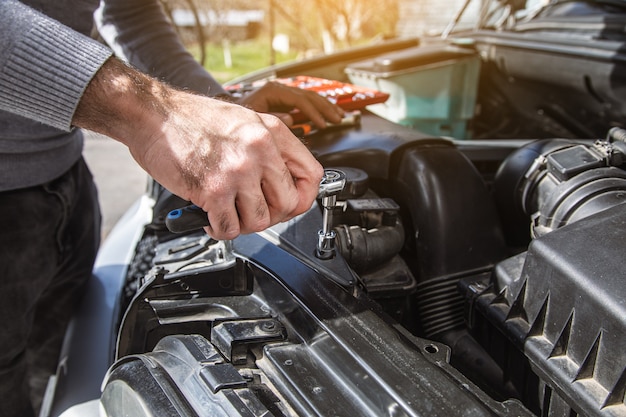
(46,61)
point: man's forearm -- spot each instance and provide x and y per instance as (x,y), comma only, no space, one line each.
(119,100)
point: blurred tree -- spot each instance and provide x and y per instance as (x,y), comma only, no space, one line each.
(318,25)
(352,20)
(198,27)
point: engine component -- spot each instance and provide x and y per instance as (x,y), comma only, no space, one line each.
(452,238)
(367,248)
(295,344)
(554,183)
(561,307)
(558,307)
(370,237)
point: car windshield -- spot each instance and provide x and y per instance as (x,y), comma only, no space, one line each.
(498,14)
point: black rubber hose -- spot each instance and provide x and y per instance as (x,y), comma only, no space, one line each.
(365,248)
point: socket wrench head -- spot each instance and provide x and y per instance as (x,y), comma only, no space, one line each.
(332,183)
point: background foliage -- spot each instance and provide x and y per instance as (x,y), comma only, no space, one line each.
(313,27)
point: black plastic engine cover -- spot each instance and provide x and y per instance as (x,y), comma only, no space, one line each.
(298,344)
(563,305)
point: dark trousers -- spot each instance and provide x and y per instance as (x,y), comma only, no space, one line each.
(49,236)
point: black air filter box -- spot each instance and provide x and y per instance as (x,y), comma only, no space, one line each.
(563,305)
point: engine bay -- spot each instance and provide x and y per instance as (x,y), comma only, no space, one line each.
(422,296)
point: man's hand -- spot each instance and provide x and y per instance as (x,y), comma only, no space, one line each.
(245,169)
(272,97)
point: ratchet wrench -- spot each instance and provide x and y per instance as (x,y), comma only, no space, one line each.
(192,217)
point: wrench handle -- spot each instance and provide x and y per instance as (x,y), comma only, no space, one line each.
(186,218)
(192,217)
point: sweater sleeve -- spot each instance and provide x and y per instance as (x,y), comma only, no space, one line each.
(140,33)
(44,65)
